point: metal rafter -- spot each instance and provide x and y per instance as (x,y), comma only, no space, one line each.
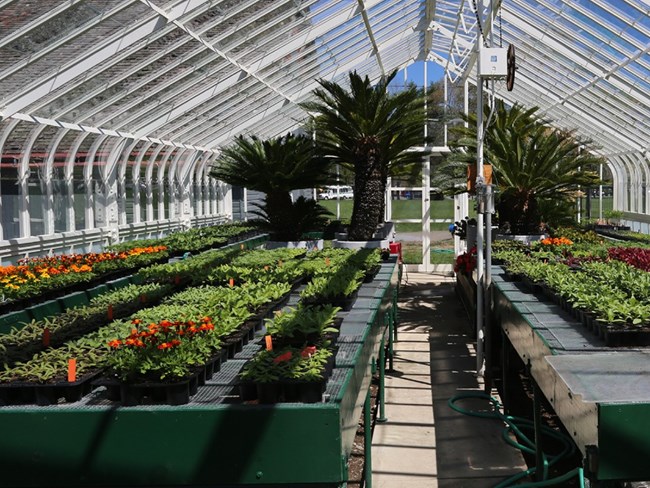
(371,35)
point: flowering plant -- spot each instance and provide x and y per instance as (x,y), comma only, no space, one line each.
(556,241)
(303,364)
(33,276)
(466,262)
(163,350)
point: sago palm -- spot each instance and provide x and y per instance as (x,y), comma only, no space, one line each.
(533,166)
(370,131)
(275,167)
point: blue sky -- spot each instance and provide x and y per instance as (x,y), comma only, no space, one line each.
(415,73)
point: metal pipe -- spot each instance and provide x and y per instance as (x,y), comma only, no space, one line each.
(367,441)
(382,378)
(480,221)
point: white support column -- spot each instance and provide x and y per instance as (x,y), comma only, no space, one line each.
(122,165)
(225,200)
(135,178)
(161,183)
(426,185)
(426,214)
(23,179)
(480,220)
(89,212)
(389,200)
(600,193)
(70,224)
(3,138)
(149,183)
(106,204)
(48,210)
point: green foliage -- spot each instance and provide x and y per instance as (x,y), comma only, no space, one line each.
(536,169)
(302,321)
(369,131)
(287,363)
(275,166)
(341,283)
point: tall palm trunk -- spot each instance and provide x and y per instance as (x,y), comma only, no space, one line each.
(369,199)
(278,209)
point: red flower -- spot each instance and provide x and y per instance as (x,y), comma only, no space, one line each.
(165,345)
(136,321)
(282,358)
(115,343)
(308,351)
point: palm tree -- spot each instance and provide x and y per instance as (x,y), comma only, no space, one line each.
(276,166)
(536,169)
(369,131)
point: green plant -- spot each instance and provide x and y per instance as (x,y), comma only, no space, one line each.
(342,283)
(302,364)
(371,132)
(302,322)
(275,167)
(536,169)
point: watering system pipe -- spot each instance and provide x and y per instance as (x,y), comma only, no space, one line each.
(517,426)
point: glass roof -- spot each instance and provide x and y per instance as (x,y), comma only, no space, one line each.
(197,73)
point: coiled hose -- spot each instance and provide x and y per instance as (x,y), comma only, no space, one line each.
(517,425)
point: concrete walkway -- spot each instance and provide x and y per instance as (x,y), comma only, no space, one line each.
(424,443)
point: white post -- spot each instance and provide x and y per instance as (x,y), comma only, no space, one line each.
(600,193)
(426,185)
(480,224)
(338,200)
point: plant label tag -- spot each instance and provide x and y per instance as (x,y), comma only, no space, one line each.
(327,261)
(177,280)
(241,246)
(46,337)
(143,298)
(280,263)
(231,282)
(266,268)
(269,342)
(109,312)
(72,370)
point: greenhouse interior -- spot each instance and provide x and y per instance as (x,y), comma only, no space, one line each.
(324,243)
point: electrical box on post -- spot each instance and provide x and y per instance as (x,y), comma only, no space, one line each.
(494,62)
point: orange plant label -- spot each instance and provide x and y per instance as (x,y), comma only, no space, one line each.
(327,261)
(46,337)
(72,370)
(231,282)
(269,342)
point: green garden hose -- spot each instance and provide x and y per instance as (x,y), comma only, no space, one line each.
(516,425)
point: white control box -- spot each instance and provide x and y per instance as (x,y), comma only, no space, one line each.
(494,62)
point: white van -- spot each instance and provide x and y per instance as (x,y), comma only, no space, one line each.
(334,192)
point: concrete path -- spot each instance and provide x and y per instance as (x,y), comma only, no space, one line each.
(424,443)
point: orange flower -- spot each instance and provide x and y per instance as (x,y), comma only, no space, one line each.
(115,343)
(136,321)
(308,351)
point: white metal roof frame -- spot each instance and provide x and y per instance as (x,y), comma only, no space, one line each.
(192,74)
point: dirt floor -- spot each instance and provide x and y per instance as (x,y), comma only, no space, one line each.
(357,458)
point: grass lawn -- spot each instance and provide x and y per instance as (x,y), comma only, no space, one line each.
(442,252)
(402,209)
